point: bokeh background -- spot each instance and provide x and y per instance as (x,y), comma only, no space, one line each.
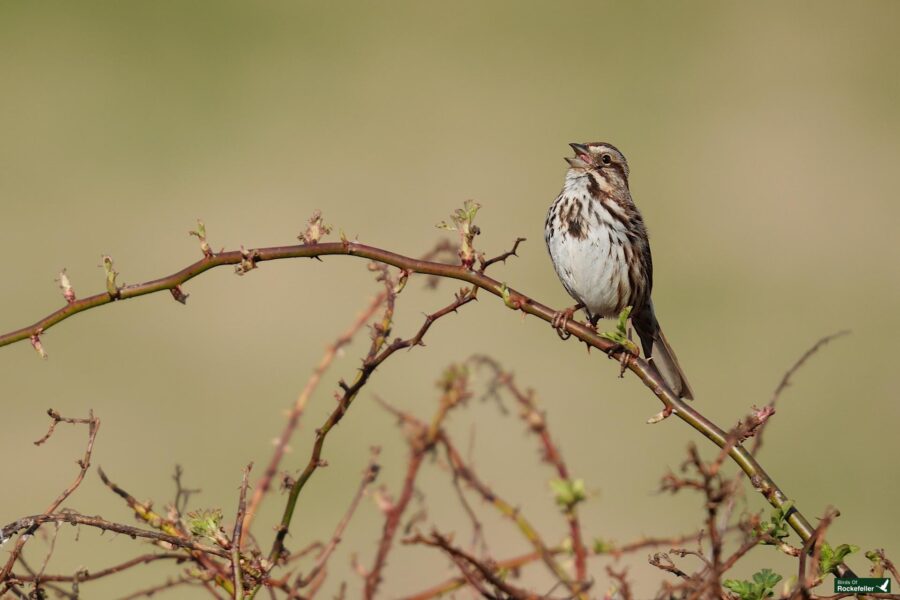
(763,142)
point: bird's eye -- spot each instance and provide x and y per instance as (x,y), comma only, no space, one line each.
(606,159)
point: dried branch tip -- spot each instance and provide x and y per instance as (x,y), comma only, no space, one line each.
(755,421)
(36,343)
(66,286)
(463,220)
(661,415)
(200,234)
(316,229)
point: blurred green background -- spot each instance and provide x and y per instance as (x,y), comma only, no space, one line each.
(763,143)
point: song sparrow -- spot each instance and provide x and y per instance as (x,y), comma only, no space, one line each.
(600,250)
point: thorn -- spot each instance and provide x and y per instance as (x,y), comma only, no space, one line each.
(178,294)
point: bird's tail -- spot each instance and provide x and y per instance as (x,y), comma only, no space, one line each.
(660,354)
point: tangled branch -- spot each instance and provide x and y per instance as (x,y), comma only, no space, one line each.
(235,565)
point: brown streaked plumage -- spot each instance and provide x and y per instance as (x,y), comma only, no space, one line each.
(600,250)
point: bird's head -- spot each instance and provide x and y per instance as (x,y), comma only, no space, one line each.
(601,158)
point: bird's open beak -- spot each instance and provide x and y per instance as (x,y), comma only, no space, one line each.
(582,157)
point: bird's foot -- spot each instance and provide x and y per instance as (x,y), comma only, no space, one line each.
(562,318)
(621,338)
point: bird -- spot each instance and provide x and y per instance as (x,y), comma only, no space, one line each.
(601,252)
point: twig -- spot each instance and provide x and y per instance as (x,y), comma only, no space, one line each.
(881,562)
(73,518)
(40,574)
(378,353)
(682,552)
(264,484)
(661,560)
(646,542)
(525,559)
(502,257)
(477,527)
(751,543)
(392,521)
(621,578)
(454,583)
(487,572)
(537,424)
(152,591)
(174,530)
(56,419)
(32,575)
(716,490)
(421,442)
(369,475)
(809,578)
(312,547)
(762,416)
(786,380)
(182,494)
(84,464)
(510,512)
(85,575)
(236,536)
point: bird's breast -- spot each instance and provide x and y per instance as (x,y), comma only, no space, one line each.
(587,243)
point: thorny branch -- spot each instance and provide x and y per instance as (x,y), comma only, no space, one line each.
(331,352)
(85,575)
(248,259)
(421,441)
(474,569)
(235,569)
(379,351)
(316,574)
(281,444)
(174,530)
(74,518)
(509,511)
(537,424)
(511,564)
